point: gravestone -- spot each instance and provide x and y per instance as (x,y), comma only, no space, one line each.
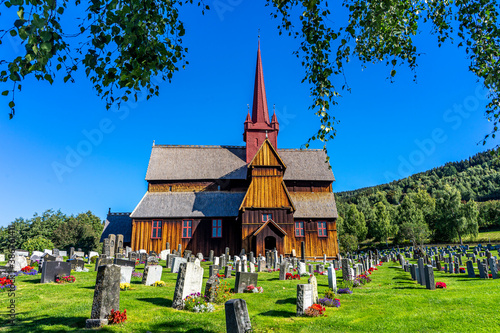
(211,256)
(71,251)
(76,263)
(332,279)
(470,269)
(112,244)
(252,267)
(119,242)
(243,280)
(251,257)
(163,254)
(261,265)
(211,288)
(417,273)
(106,292)
(55,252)
(345,270)
(124,262)
(227,252)
(18,263)
(301,269)
(176,263)
(126,274)
(213,270)
(227,272)
(102,261)
(421,271)
(216,261)
(237,318)
(483,273)
(429,277)
(283,269)
(2,257)
(304,298)
(51,269)
(151,275)
(493,268)
(187,254)
(189,281)
(314,283)
(200,257)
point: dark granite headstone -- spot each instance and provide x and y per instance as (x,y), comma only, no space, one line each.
(102,261)
(243,280)
(421,271)
(51,269)
(303,251)
(345,270)
(124,262)
(76,263)
(429,277)
(237,318)
(213,270)
(227,272)
(106,292)
(179,248)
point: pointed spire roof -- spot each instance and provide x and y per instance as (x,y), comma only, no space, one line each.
(260,113)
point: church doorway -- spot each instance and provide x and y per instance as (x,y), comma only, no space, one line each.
(270,243)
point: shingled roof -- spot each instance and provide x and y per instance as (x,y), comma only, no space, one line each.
(118,223)
(170,162)
(314,205)
(188,204)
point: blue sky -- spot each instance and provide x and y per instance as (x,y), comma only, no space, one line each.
(387,130)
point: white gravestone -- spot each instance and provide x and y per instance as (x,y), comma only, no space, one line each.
(126,274)
(151,275)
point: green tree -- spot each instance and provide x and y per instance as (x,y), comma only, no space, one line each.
(348,243)
(453,219)
(411,222)
(381,225)
(125,45)
(78,231)
(354,223)
(44,225)
(38,243)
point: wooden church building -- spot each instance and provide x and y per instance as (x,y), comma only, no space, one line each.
(254,197)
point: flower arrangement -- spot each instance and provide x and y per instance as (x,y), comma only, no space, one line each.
(440,285)
(221,276)
(208,307)
(290,276)
(222,292)
(315,310)
(490,275)
(65,279)
(26,269)
(6,284)
(461,270)
(330,294)
(115,317)
(137,274)
(159,284)
(319,272)
(197,303)
(344,291)
(124,286)
(253,289)
(326,301)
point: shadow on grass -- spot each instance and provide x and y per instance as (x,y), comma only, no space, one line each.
(34,281)
(176,326)
(276,313)
(39,324)
(157,301)
(290,300)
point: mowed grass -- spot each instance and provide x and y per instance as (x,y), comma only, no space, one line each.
(392,302)
(484,237)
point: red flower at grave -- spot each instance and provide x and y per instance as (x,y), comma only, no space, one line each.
(440,285)
(490,275)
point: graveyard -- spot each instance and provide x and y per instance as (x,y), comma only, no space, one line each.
(401,295)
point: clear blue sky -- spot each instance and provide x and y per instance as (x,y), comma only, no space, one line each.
(387,130)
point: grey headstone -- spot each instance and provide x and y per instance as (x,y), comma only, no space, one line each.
(283,270)
(332,278)
(429,277)
(421,271)
(227,272)
(304,298)
(51,269)
(124,262)
(177,261)
(314,283)
(470,269)
(106,292)
(243,280)
(211,288)
(126,274)
(237,318)
(213,270)
(151,275)
(189,281)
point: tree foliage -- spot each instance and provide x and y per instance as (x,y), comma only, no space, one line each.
(124,46)
(53,229)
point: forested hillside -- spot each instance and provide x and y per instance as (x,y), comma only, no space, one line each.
(442,204)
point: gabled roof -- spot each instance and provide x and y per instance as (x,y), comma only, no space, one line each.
(272,223)
(188,204)
(118,223)
(314,205)
(267,156)
(172,162)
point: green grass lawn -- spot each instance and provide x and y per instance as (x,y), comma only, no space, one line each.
(392,302)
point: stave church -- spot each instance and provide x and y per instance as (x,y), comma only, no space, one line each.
(255,197)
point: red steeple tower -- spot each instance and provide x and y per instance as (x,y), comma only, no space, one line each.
(258,128)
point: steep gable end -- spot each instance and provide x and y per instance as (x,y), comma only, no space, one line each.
(267,156)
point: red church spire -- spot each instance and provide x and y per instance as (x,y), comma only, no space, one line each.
(259,128)
(259,108)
